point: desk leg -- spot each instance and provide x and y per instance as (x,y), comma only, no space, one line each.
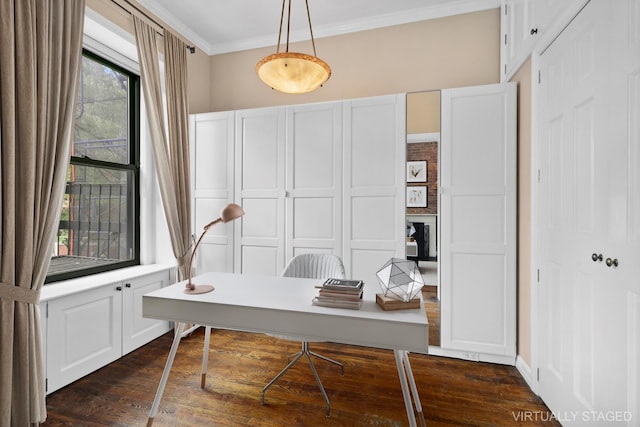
(205,356)
(406,378)
(414,389)
(165,374)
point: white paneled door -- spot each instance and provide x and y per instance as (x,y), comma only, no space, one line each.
(212,177)
(478,221)
(374,184)
(589,218)
(260,190)
(314,179)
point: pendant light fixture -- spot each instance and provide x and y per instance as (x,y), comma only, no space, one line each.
(292,72)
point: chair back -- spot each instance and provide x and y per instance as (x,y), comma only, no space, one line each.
(315,266)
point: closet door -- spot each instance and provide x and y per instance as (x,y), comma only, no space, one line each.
(212,146)
(314,179)
(374,154)
(478,221)
(260,190)
(589,217)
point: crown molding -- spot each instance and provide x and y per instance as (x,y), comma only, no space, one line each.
(451,8)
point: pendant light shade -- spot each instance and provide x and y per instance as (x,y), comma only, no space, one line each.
(292,72)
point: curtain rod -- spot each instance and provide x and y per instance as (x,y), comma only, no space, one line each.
(192,49)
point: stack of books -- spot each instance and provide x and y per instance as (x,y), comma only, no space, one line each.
(341,293)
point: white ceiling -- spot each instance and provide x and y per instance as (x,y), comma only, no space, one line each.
(220,26)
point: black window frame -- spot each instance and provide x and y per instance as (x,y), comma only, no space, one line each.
(133,167)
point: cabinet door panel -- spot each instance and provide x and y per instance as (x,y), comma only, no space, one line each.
(211,152)
(368,213)
(372,143)
(212,157)
(85,333)
(314,179)
(137,330)
(314,134)
(314,218)
(374,189)
(477,219)
(260,190)
(260,260)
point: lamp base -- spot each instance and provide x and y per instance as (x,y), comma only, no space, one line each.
(199,289)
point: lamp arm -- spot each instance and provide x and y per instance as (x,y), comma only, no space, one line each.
(195,247)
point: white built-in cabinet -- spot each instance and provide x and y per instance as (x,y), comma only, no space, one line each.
(260,190)
(526,24)
(374,162)
(330,177)
(325,177)
(87,329)
(477,212)
(212,168)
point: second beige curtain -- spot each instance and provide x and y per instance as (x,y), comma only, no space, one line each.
(171,154)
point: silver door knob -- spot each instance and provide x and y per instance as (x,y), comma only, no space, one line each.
(612,262)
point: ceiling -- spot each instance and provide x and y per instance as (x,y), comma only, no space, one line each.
(221,26)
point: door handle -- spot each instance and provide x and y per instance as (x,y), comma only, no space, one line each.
(596,257)
(612,262)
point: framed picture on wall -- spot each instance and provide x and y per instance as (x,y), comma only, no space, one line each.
(417,197)
(417,171)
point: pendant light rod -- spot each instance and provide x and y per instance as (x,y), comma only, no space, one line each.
(288,25)
(313,43)
(284,4)
(280,31)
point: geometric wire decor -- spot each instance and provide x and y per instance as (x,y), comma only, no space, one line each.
(400,279)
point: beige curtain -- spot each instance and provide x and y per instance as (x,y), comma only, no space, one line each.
(40,56)
(171,154)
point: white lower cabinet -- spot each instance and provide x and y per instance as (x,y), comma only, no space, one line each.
(87,330)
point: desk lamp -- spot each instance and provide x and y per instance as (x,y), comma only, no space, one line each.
(228,213)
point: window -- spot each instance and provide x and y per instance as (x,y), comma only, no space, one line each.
(99,223)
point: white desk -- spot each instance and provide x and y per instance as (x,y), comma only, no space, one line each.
(282,306)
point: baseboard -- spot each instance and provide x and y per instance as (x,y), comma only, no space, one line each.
(474,357)
(525,371)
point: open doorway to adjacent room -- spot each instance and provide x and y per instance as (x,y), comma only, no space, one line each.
(423,139)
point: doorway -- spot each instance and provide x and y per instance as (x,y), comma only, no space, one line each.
(423,140)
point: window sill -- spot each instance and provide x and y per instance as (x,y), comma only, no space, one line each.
(67,287)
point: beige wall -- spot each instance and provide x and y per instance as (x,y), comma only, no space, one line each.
(423,112)
(198,70)
(462,50)
(523,78)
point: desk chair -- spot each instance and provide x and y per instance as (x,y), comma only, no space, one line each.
(310,266)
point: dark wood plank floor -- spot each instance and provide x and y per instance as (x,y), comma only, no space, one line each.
(453,392)
(432,307)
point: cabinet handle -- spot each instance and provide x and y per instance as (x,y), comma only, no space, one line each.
(534,31)
(127,285)
(612,262)
(118,288)
(596,257)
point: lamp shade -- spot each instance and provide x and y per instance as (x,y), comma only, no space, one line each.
(230,212)
(292,72)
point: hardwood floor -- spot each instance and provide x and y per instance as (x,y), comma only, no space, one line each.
(432,307)
(453,392)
